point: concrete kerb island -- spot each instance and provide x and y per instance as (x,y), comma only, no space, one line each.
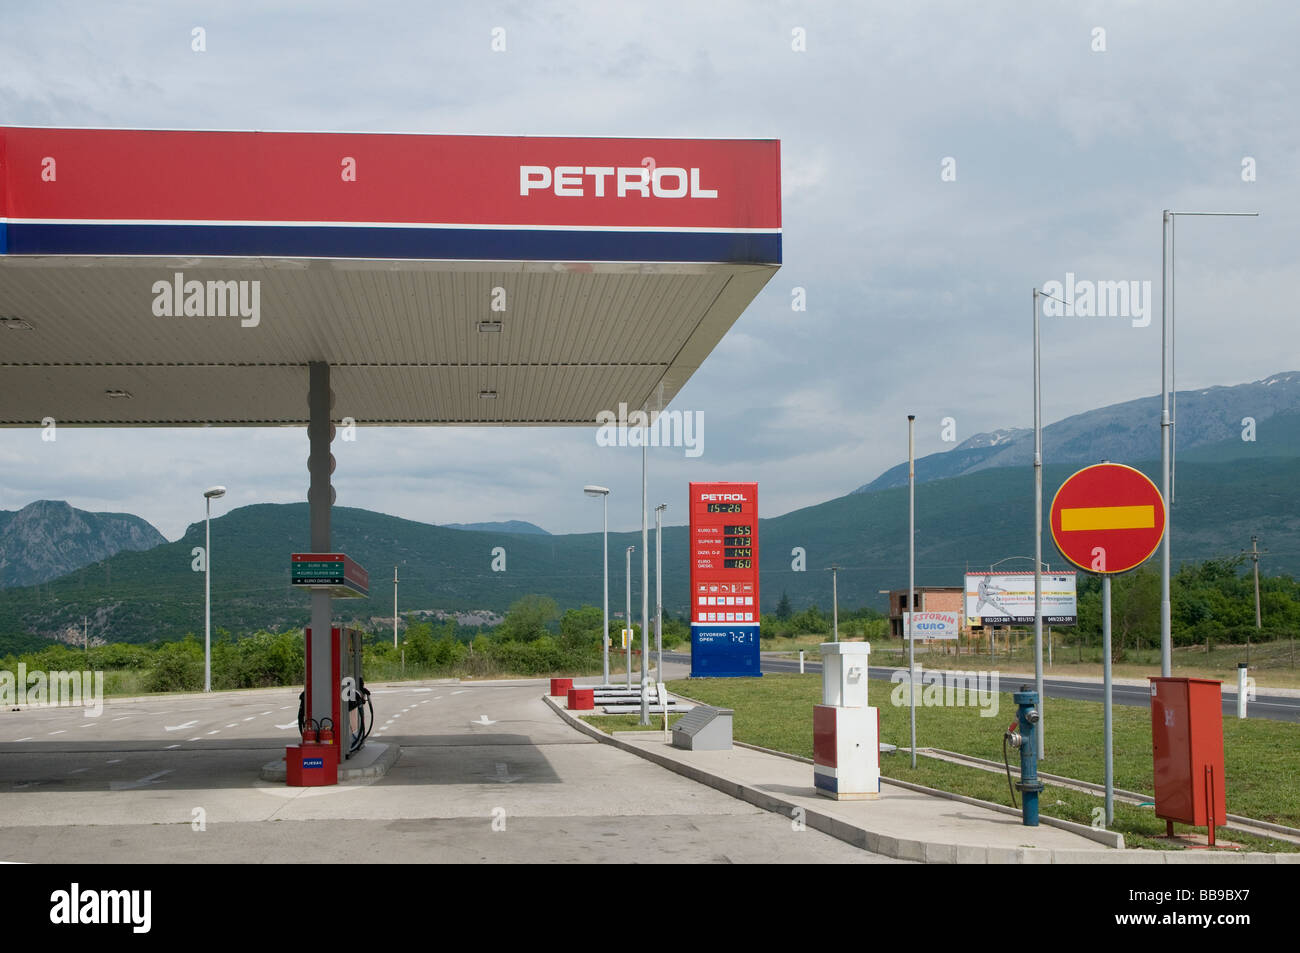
(370,763)
(979,832)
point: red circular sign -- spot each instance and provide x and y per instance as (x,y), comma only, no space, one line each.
(1107,518)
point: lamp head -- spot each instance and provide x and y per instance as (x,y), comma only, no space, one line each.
(593,490)
(215,492)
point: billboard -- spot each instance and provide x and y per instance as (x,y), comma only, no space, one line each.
(724,579)
(1007,598)
(931,625)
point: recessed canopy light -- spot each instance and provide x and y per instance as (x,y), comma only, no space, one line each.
(487,395)
(490,327)
(114,394)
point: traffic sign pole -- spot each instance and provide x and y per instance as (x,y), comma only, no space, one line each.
(1038,535)
(1106,704)
(1108,519)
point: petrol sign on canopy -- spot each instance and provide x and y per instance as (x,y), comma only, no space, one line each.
(1107,518)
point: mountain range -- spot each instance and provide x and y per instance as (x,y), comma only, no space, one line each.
(973,509)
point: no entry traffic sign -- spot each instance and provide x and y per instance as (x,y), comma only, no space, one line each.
(1107,518)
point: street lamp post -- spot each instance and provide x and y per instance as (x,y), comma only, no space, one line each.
(603,493)
(911,575)
(659,597)
(627,619)
(1168,382)
(210,494)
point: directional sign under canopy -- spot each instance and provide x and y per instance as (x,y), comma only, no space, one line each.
(333,571)
(1107,518)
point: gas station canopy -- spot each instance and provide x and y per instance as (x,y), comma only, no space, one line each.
(175,278)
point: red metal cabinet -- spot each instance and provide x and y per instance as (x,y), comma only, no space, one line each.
(1187,743)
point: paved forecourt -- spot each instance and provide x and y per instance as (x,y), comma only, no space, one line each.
(487,773)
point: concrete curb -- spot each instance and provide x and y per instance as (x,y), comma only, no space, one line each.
(377,758)
(957,757)
(1110,839)
(921,851)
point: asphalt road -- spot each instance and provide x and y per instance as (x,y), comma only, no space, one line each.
(487,773)
(1274,707)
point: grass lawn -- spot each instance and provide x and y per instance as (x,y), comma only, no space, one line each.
(612,723)
(1262,758)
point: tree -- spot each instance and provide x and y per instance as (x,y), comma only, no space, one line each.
(783,610)
(528,619)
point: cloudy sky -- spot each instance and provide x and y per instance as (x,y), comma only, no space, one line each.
(1069,126)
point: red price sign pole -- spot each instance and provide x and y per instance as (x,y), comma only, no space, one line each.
(1107,519)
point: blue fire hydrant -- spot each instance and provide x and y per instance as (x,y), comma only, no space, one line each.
(1024,738)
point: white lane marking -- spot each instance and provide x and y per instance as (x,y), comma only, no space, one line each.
(461,692)
(28,738)
(59,732)
(250,718)
(398,715)
(266,713)
(123,718)
(286,708)
(89,724)
(214,731)
(292,724)
(232,724)
(195,738)
(78,770)
(148,779)
(113,761)
(169,747)
(188,724)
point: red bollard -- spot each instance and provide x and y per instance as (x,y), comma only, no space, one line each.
(581,699)
(560,687)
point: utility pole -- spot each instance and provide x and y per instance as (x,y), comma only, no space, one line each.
(835,604)
(1254,553)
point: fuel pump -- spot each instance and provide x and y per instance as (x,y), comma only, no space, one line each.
(1021,734)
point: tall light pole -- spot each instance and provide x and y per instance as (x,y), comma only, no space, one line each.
(835,605)
(210,494)
(659,595)
(627,619)
(603,493)
(1168,382)
(911,575)
(645,586)
(394,606)
(1038,528)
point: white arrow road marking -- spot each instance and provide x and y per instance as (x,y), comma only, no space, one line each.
(503,774)
(483,721)
(292,724)
(130,785)
(188,724)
